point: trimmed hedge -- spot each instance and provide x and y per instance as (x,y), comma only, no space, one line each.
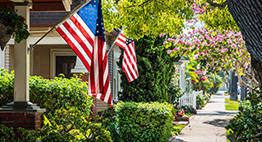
(50,94)
(144,122)
(68,110)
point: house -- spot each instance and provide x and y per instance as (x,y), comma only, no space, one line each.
(52,55)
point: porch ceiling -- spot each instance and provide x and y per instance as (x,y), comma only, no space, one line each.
(41,5)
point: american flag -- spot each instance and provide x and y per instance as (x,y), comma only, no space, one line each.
(121,41)
(129,63)
(84,33)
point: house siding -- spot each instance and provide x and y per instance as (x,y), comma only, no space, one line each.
(9,58)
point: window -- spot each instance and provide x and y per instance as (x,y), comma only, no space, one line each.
(64,64)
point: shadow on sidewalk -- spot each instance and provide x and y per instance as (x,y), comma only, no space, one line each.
(217,122)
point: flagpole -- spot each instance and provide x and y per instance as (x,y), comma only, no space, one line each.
(81,5)
(113,43)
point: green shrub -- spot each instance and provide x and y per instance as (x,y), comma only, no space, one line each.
(106,117)
(50,94)
(248,122)
(156,69)
(21,135)
(68,110)
(65,126)
(72,125)
(144,122)
(177,129)
(200,102)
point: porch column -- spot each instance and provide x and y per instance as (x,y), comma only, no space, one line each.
(21,112)
(22,62)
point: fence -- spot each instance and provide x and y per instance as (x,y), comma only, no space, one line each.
(189,99)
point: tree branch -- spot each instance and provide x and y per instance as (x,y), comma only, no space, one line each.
(215,4)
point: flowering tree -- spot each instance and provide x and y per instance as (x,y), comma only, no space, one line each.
(215,51)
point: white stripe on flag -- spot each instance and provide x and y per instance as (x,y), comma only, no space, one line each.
(80,34)
(79,47)
(127,71)
(96,65)
(83,24)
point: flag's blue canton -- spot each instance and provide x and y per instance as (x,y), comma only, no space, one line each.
(100,23)
(128,41)
(89,14)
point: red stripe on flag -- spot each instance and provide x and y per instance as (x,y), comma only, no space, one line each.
(129,69)
(70,43)
(78,39)
(100,59)
(133,56)
(80,27)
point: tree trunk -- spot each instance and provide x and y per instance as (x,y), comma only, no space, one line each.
(248,16)
(243,91)
(233,90)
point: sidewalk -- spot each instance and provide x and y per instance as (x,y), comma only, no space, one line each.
(208,125)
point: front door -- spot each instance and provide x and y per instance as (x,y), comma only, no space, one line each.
(64,64)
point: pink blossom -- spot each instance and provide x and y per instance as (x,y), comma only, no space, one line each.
(205,44)
(202,78)
(169,51)
(229,41)
(165,42)
(234,46)
(162,34)
(175,49)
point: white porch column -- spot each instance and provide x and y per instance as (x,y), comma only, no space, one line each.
(2,58)
(22,62)
(79,67)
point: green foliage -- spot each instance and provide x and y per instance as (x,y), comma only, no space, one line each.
(50,94)
(68,110)
(146,18)
(248,122)
(21,135)
(72,125)
(202,100)
(217,18)
(144,122)
(155,69)
(174,94)
(18,27)
(106,117)
(65,126)
(217,82)
(177,129)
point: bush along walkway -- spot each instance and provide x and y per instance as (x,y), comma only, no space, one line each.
(208,125)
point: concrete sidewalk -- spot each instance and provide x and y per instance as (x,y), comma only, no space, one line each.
(208,125)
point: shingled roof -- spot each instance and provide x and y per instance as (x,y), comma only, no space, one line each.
(40,19)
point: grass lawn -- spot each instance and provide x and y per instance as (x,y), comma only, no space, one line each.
(228,101)
(231,105)
(177,129)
